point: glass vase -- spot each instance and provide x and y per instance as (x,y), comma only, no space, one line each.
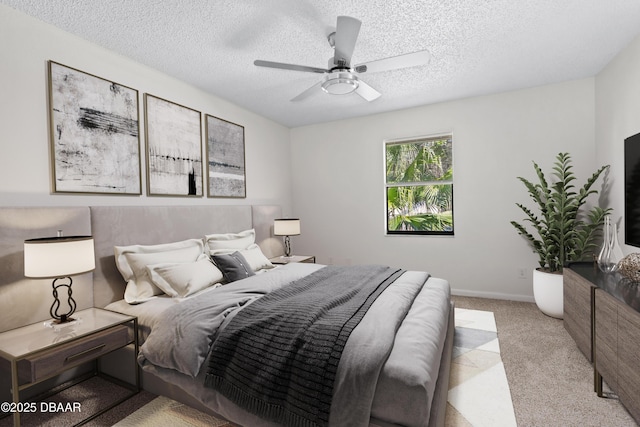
(603,256)
(610,252)
(615,251)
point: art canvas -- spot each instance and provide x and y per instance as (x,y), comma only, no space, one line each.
(95,140)
(225,158)
(174,149)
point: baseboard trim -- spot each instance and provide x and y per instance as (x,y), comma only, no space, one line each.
(492,295)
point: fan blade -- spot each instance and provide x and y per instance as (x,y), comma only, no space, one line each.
(367,92)
(347,31)
(306,93)
(414,59)
(293,67)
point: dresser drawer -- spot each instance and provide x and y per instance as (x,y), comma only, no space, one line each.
(629,359)
(577,311)
(606,340)
(42,364)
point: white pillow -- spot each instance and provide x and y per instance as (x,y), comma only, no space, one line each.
(229,242)
(133,260)
(179,280)
(256,259)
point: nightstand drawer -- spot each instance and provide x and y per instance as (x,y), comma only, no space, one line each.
(39,365)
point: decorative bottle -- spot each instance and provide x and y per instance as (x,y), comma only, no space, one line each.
(604,262)
(615,251)
(610,253)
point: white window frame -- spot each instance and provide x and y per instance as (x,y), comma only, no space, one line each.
(386,143)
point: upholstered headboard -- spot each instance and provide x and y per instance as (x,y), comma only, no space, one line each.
(24,301)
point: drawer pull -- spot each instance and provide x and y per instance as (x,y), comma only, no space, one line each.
(84,353)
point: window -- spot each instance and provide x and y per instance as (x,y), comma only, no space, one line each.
(419,185)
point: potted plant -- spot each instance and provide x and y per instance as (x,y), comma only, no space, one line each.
(562,232)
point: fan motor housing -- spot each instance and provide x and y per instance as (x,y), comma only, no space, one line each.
(340,83)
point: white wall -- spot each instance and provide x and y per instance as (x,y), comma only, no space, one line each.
(618,117)
(331,175)
(27,44)
(338,183)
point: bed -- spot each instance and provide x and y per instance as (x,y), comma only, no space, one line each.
(393,363)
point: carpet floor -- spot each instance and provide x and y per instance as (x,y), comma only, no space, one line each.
(163,411)
(550,380)
(70,405)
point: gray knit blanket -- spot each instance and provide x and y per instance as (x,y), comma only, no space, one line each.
(278,357)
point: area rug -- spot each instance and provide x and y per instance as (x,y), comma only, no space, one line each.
(163,411)
(479,393)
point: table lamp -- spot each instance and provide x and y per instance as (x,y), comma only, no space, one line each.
(59,258)
(286,227)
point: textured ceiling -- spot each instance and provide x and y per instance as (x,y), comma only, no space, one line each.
(477,46)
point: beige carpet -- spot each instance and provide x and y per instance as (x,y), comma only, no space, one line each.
(551,382)
(163,411)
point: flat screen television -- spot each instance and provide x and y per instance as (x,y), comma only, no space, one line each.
(632,190)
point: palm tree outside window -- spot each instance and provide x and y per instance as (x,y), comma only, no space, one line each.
(419,185)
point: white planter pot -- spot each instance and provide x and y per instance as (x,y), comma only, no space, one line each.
(547,292)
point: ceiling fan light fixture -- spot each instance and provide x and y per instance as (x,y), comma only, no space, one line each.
(340,83)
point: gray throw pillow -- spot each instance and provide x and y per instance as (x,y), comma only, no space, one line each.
(233,266)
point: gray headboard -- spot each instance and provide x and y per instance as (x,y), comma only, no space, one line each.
(24,301)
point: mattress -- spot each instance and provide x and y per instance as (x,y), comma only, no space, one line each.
(403,391)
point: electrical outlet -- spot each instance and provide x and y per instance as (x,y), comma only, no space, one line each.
(522,273)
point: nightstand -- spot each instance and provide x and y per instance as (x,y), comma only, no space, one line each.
(38,352)
(293,258)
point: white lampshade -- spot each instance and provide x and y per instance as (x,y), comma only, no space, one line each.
(286,227)
(53,257)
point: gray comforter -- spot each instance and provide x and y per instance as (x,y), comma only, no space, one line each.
(370,376)
(279,356)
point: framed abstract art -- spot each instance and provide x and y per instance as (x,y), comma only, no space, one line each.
(174,149)
(225,158)
(94,134)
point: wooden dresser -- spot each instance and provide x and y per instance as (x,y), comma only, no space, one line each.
(602,315)
(577,306)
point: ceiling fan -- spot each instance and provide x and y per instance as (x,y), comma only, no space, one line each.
(340,78)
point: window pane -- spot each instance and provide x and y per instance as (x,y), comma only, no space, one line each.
(420,209)
(419,161)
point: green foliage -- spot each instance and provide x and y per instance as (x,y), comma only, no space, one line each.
(562,233)
(422,222)
(416,201)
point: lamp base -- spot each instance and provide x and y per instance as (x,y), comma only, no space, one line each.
(64,319)
(71,303)
(57,326)
(287,247)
